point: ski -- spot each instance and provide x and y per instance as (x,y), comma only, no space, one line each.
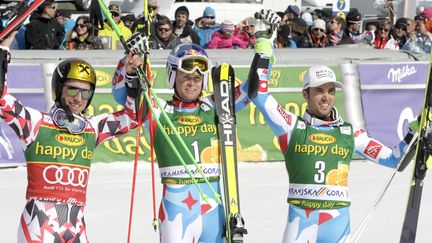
(421,162)
(14,16)
(223,86)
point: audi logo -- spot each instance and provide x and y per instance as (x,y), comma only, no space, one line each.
(65,175)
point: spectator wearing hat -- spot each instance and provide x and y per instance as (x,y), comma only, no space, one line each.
(164,37)
(317,36)
(43,31)
(299,33)
(225,37)
(353,23)
(182,26)
(108,32)
(245,31)
(307,17)
(82,37)
(64,18)
(140,24)
(205,26)
(383,38)
(292,12)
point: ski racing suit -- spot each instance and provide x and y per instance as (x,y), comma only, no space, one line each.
(184,217)
(58,167)
(317,158)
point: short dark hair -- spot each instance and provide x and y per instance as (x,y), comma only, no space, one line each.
(41,7)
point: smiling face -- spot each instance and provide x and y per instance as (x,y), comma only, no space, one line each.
(188,86)
(320,100)
(76,103)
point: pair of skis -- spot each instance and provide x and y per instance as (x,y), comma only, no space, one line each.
(223,86)
(423,161)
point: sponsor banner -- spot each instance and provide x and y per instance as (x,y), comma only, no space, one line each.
(318,192)
(387,107)
(402,73)
(260,145)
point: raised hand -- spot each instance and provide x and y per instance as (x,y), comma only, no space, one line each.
(266,24)
(138,44)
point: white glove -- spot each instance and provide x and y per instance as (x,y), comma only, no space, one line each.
(266,23)
(138,44)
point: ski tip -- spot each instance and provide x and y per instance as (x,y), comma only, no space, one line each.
(223,71)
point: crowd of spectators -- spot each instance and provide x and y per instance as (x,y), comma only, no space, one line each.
(50,28)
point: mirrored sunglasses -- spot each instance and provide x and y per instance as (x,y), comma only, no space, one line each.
(73,91)
(77,126)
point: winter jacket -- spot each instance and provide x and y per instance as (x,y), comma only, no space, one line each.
(422,44)
(187,32)
(91,42)
(219,41)
(385,43)
(43,33)
(108,31)
(156,43)
(205,34)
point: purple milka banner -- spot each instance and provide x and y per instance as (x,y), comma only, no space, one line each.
(20,78)
(388,111)
(404,73)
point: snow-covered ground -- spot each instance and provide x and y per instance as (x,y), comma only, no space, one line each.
(263,189)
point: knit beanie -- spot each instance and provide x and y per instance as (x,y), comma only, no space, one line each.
(182,10)
(209,11)
(227,26)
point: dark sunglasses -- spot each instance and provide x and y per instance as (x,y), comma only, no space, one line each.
(164,29)
(384,29)
(152,8)
(82,26)
(209,17)
(333,22)
(319,30)
(115,14)
(73,91)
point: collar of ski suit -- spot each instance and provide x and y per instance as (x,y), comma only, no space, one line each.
(334,120)
(176,102)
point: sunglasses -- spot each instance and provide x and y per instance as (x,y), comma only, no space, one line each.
(318,30)
(164,29)
(77,126)
(115,14)
(384,29)
(152,8)
(73,91)
(52,7)
(81,26)
(333,22)
(209,17)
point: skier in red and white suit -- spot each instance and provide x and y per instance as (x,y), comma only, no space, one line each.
(59,145)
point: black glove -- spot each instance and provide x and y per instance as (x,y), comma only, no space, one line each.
(4,60)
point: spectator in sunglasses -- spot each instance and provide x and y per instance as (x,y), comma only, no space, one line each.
(109,32)
(140,25)
(245,31)
(57,181)
(383,39)
(164,37)
(81,37)
(317,36)
(205,26)
(43,31)
(182,26)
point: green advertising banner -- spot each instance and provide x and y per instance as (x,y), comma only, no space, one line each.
(255,141)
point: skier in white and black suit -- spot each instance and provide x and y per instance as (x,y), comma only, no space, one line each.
(317,147)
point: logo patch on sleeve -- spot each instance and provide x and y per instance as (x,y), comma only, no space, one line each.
(372,149)
(283,113)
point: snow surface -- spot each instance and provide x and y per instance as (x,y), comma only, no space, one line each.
(263,190)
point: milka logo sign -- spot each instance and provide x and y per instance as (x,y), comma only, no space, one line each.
(396,75)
